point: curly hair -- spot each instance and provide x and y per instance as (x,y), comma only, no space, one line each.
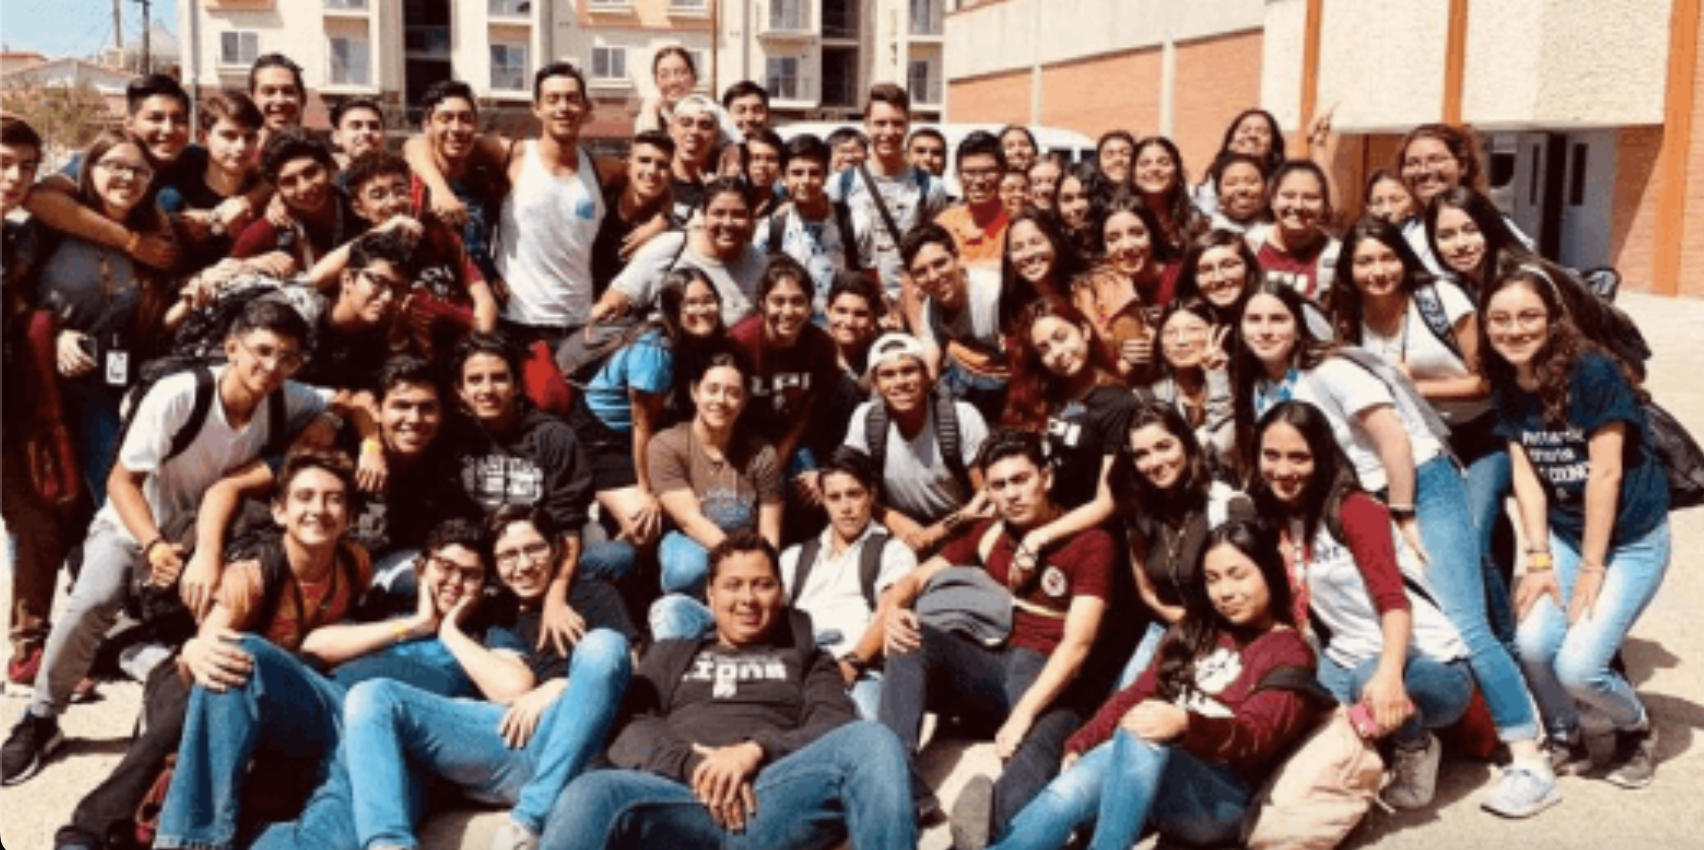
(1034,392)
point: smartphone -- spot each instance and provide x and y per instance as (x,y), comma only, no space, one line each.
(1361,717)
(86,344)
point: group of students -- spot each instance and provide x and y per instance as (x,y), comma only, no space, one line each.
(660,500)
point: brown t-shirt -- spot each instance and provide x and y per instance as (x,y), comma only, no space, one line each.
(327,601)
(750,476)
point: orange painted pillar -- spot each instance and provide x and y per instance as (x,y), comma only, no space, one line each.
(1455,61)
(1671,170)
(1310,71)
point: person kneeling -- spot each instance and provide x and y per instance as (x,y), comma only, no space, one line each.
(746,731)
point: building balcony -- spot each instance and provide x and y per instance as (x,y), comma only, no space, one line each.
(516,12)
(792,92)
(785,20)
(840,20)
(689,9)
(357,9)
(609,7)
(927,20)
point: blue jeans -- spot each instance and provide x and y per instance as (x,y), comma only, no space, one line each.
(1569,665)
(92,409)
(1456,570)
(1490,479)
(392,727)
(686,562)
(614,561)
(1186,798)
(285,711)
(851,782)
(985,393)
(1143,656)
(1439,690)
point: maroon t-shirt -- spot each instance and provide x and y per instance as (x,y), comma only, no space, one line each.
(1297,271)
(1081,567)
(783,383)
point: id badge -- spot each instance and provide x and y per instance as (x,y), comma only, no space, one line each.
(118,368)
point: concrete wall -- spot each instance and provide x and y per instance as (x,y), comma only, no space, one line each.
(1566,63)
(1005,36)
(1692,248)
(1381,62)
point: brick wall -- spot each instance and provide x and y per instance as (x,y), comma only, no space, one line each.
(1634,214)
(1692,244)
(1217,78)
(1093,96)
(998,99)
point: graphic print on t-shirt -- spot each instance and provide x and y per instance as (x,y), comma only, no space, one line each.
(1561,458)
(498,480)
(726,672)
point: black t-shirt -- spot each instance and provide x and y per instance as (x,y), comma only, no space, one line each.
(688,195)
(416,498)
(1081,436)
(606,248)
(595,600)
(346,361)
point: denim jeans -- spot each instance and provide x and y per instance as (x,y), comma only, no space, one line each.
(851,782)
(1186,798)
(950,671)
(93,411)
(109,555)
(392,726)
(686,562)
(985,393)
(1143,656)
(284,710)
(1490,479)
(614,561)
(1456,570)
(1569,665)
(1439,690)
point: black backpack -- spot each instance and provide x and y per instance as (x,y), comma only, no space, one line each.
(842,220)
(947,435)
(206,388)
(869,565)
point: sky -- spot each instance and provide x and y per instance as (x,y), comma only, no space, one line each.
(73,27)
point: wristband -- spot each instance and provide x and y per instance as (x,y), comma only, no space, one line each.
(399,631)
(148,550)
(1402,512)
(371,446)
(1540,561)
(131,245)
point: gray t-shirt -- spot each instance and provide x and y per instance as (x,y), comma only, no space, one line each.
(916,482)
(912,197)
(976,323)
(736,282)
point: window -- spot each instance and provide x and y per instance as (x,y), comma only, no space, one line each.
(609,63)
(687,5)
(926,17)
(427,42)
(701,62)
(347,5)
(784,82)
(510,8)
(508,67)
(349,61)
(920,82)
(239,48)
(786,14)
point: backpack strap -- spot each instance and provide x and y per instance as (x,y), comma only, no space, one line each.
(870,566)
(880,204)
(949,437)
(204,390)
(1401,389)
(876,423)
(277,425)
(808,553)
(848,237)
(1431,306)
(777,232)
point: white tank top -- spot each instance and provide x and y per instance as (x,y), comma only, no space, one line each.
(545,242)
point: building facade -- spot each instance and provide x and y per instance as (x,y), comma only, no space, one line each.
(1587,108)
(816,57)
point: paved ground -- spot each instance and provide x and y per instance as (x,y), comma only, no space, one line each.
(1665,654)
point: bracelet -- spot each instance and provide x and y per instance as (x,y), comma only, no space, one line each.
(399,631)
(371,446)
(1540,561)
(148,550)
(1600,569)
(1402,512)
(131,245)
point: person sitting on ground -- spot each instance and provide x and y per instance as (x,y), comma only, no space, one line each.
(923,445)
(1184,749)
(165,463)
(747,733)
(1033,681)
(519,752)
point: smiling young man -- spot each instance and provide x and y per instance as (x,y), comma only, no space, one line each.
(979,224)
(159,478)
(747,103)
(927,149)
(305,174)
(1031,680)
(924,453)
(887,191)
(357,127)
(823,235)
(639,211)
(958,319)
(275,83)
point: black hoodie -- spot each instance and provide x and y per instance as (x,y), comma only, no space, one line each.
(539,464)
(781,695)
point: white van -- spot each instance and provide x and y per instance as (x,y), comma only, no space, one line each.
(1075,146)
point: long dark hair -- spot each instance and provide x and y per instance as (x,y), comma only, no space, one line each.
(1161,251)
(1190,492)
(1084,241)
(1333,478)
(1274,154)
(1346,307)
(1197,635)
(1188,273)
(1017,293)
(1176,210)
(1035,392)
(1499,239)
(1247,370)
(685,350)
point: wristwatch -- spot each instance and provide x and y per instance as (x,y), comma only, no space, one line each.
(858,665)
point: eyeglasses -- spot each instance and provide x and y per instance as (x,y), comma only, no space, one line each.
(1431,163)
(1227,269)
(382,285)
(1526,320)
(455,571)
(509,558)
(284,361)
(134,171)
(1180,334)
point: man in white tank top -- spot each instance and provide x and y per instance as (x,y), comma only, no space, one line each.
(552,213)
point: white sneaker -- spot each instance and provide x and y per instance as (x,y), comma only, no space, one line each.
(513,836)
(1414,775)
(1524,791)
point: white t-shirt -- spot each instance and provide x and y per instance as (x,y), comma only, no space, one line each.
(817,246)
(1342,602)
(175,489)
(977,323)
(915,481)
(548,225)
(1426,356)
(1342,390)
(912,197)
(834,594)
(736,282)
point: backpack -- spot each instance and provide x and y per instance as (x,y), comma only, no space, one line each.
(869,565)
(1323,788)
(1431,306)
(947,435)
(842,220)
(206,388)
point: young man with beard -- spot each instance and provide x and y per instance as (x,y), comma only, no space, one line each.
(159,478)
(925,494)
(890,193)
(1030,680)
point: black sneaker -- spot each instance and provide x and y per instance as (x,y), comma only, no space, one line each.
(31,742)
(1635,762)
(973,814)
(1569,754)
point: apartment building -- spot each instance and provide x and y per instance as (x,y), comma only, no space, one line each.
(1590,109)
(816,57)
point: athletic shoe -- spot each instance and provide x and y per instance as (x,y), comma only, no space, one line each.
(31,742)
(513,836)
(973,814)
(1524,791)
(1569,754)
(1634,764)
(1414,775)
